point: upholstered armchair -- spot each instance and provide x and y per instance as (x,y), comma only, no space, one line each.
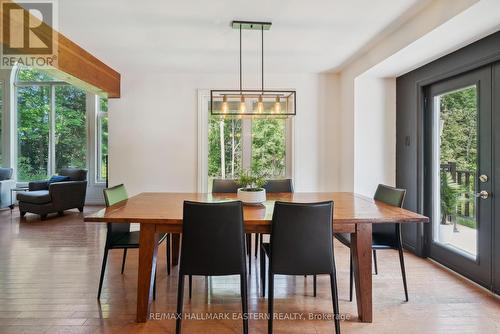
(46,197)
(6,184)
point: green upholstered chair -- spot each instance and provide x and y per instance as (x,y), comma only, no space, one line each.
(119,235)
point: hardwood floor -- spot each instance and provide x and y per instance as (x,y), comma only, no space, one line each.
(49,272)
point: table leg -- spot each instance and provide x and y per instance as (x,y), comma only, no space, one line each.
(176,246)
(361,242)
(148,248)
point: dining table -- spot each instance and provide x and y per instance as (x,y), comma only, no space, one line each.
(162,212)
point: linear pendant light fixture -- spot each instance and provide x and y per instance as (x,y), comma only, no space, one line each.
(252,102)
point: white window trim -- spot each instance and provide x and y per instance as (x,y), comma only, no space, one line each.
(202,179)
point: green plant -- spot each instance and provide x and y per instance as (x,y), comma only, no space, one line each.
(250,182)
(450,193)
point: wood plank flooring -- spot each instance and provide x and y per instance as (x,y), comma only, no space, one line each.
(49,272)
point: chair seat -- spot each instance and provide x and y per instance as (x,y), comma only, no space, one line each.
(131,240)
(34,197)
(379,241)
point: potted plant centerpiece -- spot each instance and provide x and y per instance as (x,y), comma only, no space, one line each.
(251,191)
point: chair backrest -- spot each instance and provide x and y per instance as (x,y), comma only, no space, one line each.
(279,186)
(112,196)
(224,186)
(75,174)
(213,239)
(302,238)
(392,196)
(5,173)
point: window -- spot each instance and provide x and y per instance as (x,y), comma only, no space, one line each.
(102,140)
(51,125)
(260,145)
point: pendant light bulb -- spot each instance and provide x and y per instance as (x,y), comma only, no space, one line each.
(277,105)
(224,104)
(243,106)
(260,105)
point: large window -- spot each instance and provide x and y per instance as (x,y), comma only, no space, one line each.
(51,125)
(240,144)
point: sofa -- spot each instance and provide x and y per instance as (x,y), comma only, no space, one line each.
(6,184)
(44,197)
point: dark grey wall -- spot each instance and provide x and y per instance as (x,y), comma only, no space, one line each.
(410,128)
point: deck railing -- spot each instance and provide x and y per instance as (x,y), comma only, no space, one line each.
(467,181)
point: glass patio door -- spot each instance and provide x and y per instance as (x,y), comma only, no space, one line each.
(459,120)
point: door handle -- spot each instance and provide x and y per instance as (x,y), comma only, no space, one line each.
(483,194)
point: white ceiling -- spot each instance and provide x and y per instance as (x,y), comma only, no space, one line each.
(194,36)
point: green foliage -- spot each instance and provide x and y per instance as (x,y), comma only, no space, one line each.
(450,193)
(250,181)
(459,133)
(33,105)
(268,147)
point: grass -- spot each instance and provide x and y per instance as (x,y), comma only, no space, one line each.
(467,221)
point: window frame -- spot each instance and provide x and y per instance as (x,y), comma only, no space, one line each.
(98,140)
(203,118)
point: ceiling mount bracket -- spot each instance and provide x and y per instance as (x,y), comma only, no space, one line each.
(251,25)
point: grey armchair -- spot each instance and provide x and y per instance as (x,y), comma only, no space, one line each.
(44,197)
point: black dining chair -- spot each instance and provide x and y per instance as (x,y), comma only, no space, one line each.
(119,236)
(384,236)
(301,244)
(230,186)
(274,186)
(213,244)
(224,186)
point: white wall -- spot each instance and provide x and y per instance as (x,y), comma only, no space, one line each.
(360,89)
(153,129)
(375,124)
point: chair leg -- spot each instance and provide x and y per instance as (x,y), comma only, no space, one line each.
(154,287)
(180,301)
(249,253)
(270,303)
(351,278)
(168,254)
(262,272)
(190,286)
(124,258)
(257,236)
(244,301)
(403,271)
(335,301)
(314,285)
(103,269)
(375,261)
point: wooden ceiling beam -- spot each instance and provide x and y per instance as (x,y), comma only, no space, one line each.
(73,63)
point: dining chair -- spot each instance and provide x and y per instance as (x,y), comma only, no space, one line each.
(301,244)
(274,186)
(224,186)
(119,235)
(230,186)
(384,236)
(213,244)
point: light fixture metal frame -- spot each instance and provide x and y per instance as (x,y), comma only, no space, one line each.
(262,26)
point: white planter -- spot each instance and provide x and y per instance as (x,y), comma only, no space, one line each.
(252,197)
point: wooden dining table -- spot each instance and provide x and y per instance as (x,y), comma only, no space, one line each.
(162,213)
